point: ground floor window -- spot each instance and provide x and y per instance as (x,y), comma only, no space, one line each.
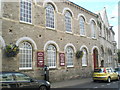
(84,58)
(51,56)
(25,56)
(69,56)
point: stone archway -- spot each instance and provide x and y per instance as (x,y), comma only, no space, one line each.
(95,57)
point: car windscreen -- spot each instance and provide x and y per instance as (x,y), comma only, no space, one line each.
(117,69)
(99,70)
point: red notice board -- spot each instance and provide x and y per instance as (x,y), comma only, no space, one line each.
(40,59)
(62,59)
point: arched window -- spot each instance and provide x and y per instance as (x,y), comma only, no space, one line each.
(50,16)
(69,56)
(26,11)
(84,58)
(51,56)
(68,22)
(82,26)
(25,57)
(93,29)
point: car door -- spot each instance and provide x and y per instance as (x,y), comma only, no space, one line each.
(114,74)
(24,81)
(8,81)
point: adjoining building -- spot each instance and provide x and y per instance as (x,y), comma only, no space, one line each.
(51,33)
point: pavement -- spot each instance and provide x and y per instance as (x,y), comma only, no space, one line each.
(67,83)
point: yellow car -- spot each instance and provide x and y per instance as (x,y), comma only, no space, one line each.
(105,74)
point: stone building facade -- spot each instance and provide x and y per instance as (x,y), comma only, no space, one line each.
(53,28)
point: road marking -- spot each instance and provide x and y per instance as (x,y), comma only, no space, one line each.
(95,87)
(108,84)
(114,82)
(102,85)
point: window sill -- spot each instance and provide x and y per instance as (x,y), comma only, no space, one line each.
(25,69)
(94,38)
(70,66)
(69,32)
(83,35)
(49,28)
(26,23)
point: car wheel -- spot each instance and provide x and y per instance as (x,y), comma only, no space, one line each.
(109,80)
(43,88)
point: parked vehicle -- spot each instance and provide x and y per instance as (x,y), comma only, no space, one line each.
(20,80)
(118,70)
(105,74)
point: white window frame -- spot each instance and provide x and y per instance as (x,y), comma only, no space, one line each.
(50,8)
(84,58)
(69,57)
(25,55)
(82,26)
(25,12)
(68,22)
(51,56)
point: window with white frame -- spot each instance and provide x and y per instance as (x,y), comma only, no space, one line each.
(93,29)
(51,56)
(68,22)
(69,56)
(84,58)
(50,16)
(82,26)
(25,56)
(26,11)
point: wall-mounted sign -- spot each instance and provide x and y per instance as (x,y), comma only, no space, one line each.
(40,59)
(62,59)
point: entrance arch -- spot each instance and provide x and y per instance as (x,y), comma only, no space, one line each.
(95,57)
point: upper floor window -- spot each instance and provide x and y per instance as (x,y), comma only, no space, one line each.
(69,56)
(50,16)
(25,57)
(51,56)
(26,11)
(82,26)
(68,22)
(93,29)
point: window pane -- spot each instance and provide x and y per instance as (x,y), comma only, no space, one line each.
(50,16)
(25,10)
(68,22)
(25,55)
(51,56)
(84,58)
(21,77)
(7,77)
(82,26)
(69,54)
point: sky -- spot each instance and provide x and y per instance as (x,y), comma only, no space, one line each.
(111,9)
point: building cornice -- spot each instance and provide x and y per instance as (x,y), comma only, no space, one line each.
(81,8)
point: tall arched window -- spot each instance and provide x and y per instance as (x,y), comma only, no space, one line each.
(68,22)
(82,26)
(84,58)
(25,57)
(51,56)
(93,29)
(26,11)
(69,56)
(50,16)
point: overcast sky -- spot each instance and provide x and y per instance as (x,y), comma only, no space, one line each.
(96,5)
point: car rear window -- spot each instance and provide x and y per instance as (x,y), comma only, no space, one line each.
(99,70)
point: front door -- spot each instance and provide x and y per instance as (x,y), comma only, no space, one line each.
(95,58)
